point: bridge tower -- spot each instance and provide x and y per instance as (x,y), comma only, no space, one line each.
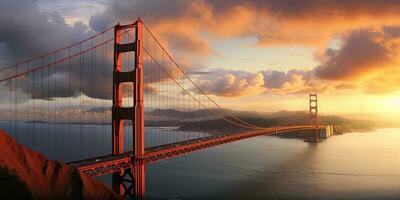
(314,117)
(129,182)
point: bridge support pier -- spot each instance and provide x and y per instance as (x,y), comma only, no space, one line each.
(123,183)
(140,176)
(131,182)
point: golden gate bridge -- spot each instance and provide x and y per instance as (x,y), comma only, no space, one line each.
(125,79)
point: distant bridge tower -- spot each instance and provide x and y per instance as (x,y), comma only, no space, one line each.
(314,117)
(129,182)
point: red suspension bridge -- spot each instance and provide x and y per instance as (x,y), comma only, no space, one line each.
(117,101)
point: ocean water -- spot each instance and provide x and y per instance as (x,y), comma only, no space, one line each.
(350,166)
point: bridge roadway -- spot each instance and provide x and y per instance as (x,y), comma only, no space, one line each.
(114,163)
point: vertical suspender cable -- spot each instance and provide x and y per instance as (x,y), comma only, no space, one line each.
(80,101)
(28,135)
(91,98)
(15,104)
(42,113)
(70,94)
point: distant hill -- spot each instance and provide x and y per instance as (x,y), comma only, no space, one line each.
(168,113)
(201,120)
(187,114)
(280,118)
(99,109)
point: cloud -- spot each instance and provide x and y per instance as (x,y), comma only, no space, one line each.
(383,84)
(272,22)
(274,79)
(231,83)
(295,81)
(345,86)
(363,51)
(167,19)
(187,42)
(291,22)
(185,26)
(34,32)
(368,60)
(74,11)
(45,31)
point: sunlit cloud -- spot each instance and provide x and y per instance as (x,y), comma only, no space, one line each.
(368,47)
(231,83)
(364,58)
(383,83)
(364,51)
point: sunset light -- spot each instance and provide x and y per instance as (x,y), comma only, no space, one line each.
(200,99)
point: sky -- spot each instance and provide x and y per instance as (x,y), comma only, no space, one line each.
(262,55)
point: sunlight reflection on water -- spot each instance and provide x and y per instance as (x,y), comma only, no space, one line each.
(350,166)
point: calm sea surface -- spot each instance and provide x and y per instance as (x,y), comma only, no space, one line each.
(351,166)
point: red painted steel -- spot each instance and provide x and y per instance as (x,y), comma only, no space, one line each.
(139,166)
(139,108)
(123,170)
(109,164)
(139,169)
(117,124)
(314,117)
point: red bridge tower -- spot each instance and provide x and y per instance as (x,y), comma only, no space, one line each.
(130,182)
(314,117)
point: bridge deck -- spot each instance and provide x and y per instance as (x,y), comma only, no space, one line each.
(114,163)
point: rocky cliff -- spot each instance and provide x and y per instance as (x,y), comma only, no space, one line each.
(47,179)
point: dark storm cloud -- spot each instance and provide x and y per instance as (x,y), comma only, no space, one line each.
(280,22)
(159,10)
(363,51)
(26,31)
(37,32)
(181,24)
(273,22)
(79,75)
(127,11)
(295,8)
(391,31)
(154,13)
(100,21)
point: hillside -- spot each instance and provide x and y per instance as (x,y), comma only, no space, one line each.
(47,179)
(279,118)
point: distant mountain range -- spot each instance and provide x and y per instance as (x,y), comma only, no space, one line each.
(201,120)
(172,113)
(281,118)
